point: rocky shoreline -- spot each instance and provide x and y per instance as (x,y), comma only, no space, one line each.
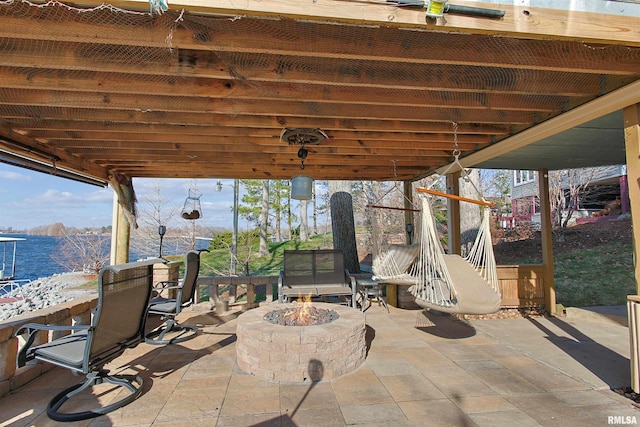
(45,292)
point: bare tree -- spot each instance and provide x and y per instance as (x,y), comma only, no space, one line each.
(83,252)
(280,190)
(496,184)
(315,209)
(304,222)
(566,188)
(155,210)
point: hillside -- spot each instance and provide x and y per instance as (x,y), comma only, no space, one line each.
(593,262)
(513,248)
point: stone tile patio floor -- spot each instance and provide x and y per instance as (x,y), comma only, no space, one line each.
(421,370)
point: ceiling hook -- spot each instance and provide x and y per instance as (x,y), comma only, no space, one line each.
(302,154)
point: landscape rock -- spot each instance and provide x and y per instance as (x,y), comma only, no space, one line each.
(45,292)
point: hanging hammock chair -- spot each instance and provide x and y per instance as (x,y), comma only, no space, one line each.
(439,281)
(450,283)
(387,229)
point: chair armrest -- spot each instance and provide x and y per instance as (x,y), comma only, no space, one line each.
(32,328)
(358,276)
(164,283)
(163,286)
(167,287)
(354,287)
(280,285)
(350,278)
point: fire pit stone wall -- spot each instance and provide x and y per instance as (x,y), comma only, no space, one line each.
(300,353)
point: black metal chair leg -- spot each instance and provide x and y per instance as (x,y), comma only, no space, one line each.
(94,378)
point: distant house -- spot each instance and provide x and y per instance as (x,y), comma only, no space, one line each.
(524,195)
(606,185)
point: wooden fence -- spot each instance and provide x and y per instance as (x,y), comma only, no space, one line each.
(521,285)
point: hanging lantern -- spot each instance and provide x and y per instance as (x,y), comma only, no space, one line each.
(301,187)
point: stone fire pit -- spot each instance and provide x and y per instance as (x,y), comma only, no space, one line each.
(300,353)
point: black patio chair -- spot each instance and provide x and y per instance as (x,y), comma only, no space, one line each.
(118,323)
(171,332)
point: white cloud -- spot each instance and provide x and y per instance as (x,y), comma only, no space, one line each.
(45,200)
(53,199)
(103,195)
(13,176)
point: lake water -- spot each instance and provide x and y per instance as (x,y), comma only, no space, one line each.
(34,255)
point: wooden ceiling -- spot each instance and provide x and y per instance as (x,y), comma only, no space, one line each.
(206,89)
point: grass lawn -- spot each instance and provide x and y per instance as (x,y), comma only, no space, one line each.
(217,262)
(596,276)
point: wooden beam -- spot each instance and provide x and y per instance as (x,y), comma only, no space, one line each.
(171,169)
(103,133)
(63,158)
(306,76)
(120,234)
(337,157)
(282,108)
(599,107)
(407,189)
(260,159)
(632,143)
(123,86)
(523,22)
(325,43)
(267,127)
(547,242)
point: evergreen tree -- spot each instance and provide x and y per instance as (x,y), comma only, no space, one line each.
(250,205)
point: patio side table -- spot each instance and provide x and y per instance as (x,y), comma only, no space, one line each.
(370,289)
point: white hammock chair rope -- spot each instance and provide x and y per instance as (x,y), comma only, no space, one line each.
(440,281)
(434,283)
(395,264)
(396,259)
(451,283)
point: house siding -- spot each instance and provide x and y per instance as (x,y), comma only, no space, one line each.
(525,194)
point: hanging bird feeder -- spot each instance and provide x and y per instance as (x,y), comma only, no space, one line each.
(192,209)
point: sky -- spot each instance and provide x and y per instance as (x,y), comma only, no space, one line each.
(31,199)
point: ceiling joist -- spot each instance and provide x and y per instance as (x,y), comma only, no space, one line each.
(207,88)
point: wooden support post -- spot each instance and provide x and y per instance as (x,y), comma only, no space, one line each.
(632,143)
(120,234)
(453,214)
(547,241)
(408,213)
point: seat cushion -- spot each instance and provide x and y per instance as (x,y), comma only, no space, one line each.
(162,305)
(300,291)
(333,289)
(68,350)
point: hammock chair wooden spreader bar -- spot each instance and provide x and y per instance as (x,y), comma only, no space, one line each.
(454,197)
(393,208)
